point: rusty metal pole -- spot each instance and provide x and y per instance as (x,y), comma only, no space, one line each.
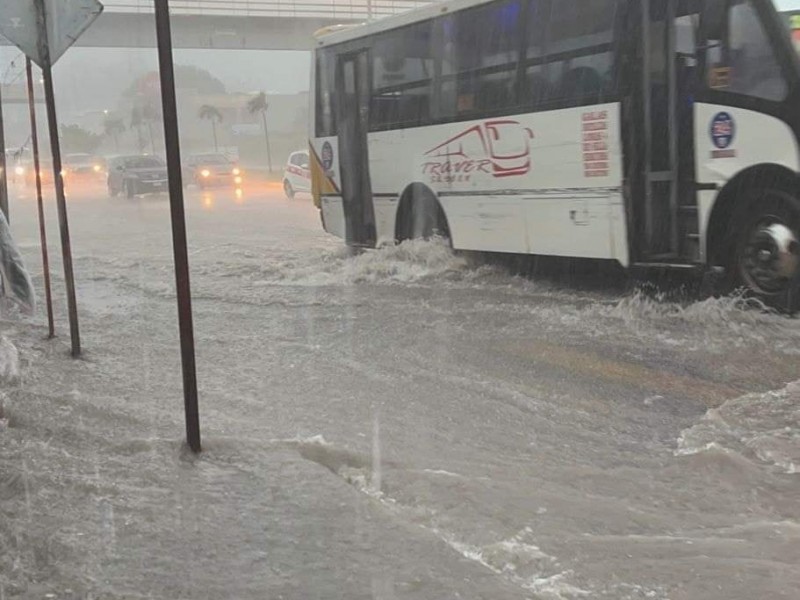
(3,165)
(51,332)
(180,252)
(61,201)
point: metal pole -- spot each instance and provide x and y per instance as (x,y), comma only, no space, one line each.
(181,255)
(61,202)
(266,135)
(3,165)
(51,332)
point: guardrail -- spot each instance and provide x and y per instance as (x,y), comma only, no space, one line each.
(328,9)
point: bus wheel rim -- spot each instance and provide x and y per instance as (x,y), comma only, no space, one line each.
(770,257)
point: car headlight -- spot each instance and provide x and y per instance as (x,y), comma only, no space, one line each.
(19,170)
(236,171)
(205,173)
(96,168)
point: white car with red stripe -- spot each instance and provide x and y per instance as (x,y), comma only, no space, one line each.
(296,175)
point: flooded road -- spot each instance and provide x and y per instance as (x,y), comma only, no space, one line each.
(406,423)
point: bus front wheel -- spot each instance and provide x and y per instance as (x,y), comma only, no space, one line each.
(766,257)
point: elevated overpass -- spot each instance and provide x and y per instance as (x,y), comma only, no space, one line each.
(232,24)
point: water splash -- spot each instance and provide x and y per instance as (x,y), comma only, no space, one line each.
(762,428)
(9,362)
(377,469)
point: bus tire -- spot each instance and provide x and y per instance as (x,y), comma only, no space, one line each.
(765,257)
(420,216)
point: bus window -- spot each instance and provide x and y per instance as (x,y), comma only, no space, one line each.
(479,59)
(685,34)
(325,78)
(745,63)
(536,86)
(580,71)
(402,77)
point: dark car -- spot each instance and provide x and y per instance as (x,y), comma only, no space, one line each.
(205,170)
(136,175)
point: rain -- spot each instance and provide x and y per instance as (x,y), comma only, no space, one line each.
(488,301)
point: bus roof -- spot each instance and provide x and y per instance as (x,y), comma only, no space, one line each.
(434,9)
(329,29)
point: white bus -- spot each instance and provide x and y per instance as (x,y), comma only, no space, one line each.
(656,133)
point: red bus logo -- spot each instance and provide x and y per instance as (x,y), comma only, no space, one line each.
(499,148)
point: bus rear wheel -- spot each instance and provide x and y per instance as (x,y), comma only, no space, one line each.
(767,249)
(421,216)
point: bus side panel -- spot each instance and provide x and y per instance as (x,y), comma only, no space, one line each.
(729,140)
(486,222)
(333,215)
(542,183)
(589,225)
(385,219)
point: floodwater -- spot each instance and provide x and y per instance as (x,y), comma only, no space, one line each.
(406,423)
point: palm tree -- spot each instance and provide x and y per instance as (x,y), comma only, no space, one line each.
(259,104)
(113,127)
(150,115)
(137,120)
(212,114)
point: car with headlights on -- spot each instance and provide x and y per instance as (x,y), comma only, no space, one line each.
(26,172)
(83,167)
(206,170)
(135,175)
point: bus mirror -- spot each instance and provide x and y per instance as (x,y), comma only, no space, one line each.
(716,19)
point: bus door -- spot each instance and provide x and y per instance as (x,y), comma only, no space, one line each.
(353,124)
(665,209)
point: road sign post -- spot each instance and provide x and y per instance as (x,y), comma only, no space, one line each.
(43,30)
(58,180)
(180,252)
(51,332)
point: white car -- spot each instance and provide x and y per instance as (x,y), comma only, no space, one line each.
(296,175)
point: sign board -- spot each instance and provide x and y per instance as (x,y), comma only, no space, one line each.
(65,21)
(794,25)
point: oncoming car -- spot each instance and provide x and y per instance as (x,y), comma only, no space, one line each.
(205,170)
(296,175)
(136,175)
(26,172)
(83,167)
